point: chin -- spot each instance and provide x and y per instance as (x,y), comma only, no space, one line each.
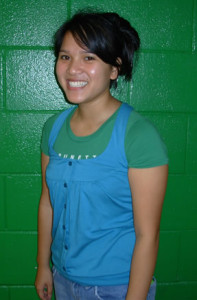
(74,101)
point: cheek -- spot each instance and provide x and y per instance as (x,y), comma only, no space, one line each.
(93,71)
(59,69)
(101,72)
(98,72)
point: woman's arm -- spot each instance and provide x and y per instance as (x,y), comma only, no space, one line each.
(44,281)
(148,188)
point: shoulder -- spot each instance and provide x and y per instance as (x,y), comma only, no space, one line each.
(46,132)
(47,129)
(140,127)
(143,143)
(51,120)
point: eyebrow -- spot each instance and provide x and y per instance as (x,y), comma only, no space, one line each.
(67,51)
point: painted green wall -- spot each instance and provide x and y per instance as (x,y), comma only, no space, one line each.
(164,89)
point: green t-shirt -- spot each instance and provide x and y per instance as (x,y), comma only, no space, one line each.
(143,145)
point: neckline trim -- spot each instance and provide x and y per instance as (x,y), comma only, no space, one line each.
(64,116)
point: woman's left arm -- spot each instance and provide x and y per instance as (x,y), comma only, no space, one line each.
(148,188)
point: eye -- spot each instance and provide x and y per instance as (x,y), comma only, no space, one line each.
(89,58)
(64,57)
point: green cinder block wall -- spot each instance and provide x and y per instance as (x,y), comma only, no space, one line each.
(164,89)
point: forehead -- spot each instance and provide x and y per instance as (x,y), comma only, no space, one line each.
(71,43)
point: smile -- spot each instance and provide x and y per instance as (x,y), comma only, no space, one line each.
(77,83)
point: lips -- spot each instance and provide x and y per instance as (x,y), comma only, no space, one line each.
(77,84)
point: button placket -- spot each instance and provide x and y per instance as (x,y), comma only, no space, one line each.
(67,218)
(68,170)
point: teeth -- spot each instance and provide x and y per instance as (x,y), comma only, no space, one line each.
(77,83)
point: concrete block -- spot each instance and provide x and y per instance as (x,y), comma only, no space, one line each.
(173,130)
(167,262)
(180,210)
(18,258)
(187,256)
(161,25)
(22,199)
(177,291)
(20,146)
(165,82)
(31,23)
(30,81)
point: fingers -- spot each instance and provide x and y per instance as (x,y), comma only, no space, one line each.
(45,293)
(48,291)
(44,283)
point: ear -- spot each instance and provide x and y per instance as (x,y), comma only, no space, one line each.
(115,70)
(114,73)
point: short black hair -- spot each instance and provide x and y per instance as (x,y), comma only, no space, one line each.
(109,36)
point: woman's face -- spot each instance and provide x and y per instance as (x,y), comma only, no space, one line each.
(83,76)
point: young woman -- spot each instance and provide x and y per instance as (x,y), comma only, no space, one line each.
(104,172)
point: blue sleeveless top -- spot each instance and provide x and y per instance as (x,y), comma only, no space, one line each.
(93,228)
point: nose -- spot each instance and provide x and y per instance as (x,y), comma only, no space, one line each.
(74,67)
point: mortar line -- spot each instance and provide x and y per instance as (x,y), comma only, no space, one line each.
(5,204)
(172,282)
(69,5)
(179,231)
(9,285)
(21,174)
(186,144)
(50,47)
(19,232)
(4,77)
(194,25)
(179,255)
(51,112)
(25,47)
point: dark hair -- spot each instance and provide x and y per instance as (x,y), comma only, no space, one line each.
(107,35)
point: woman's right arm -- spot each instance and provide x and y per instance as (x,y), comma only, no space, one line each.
(44,281)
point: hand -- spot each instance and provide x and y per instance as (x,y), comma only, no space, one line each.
(44,283)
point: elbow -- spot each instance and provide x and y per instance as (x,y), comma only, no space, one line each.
(148,237)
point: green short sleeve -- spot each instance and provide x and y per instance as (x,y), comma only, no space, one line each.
(46,132)
(143,145)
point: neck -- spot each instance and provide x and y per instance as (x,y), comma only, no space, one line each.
(98,110)
(88,117)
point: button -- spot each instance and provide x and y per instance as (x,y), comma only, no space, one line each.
(64,227)
(70,163)
(66,247)
(65,206)
(65,185)
(64,268)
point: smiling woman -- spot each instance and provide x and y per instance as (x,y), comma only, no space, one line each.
(104,172)
(83,75)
